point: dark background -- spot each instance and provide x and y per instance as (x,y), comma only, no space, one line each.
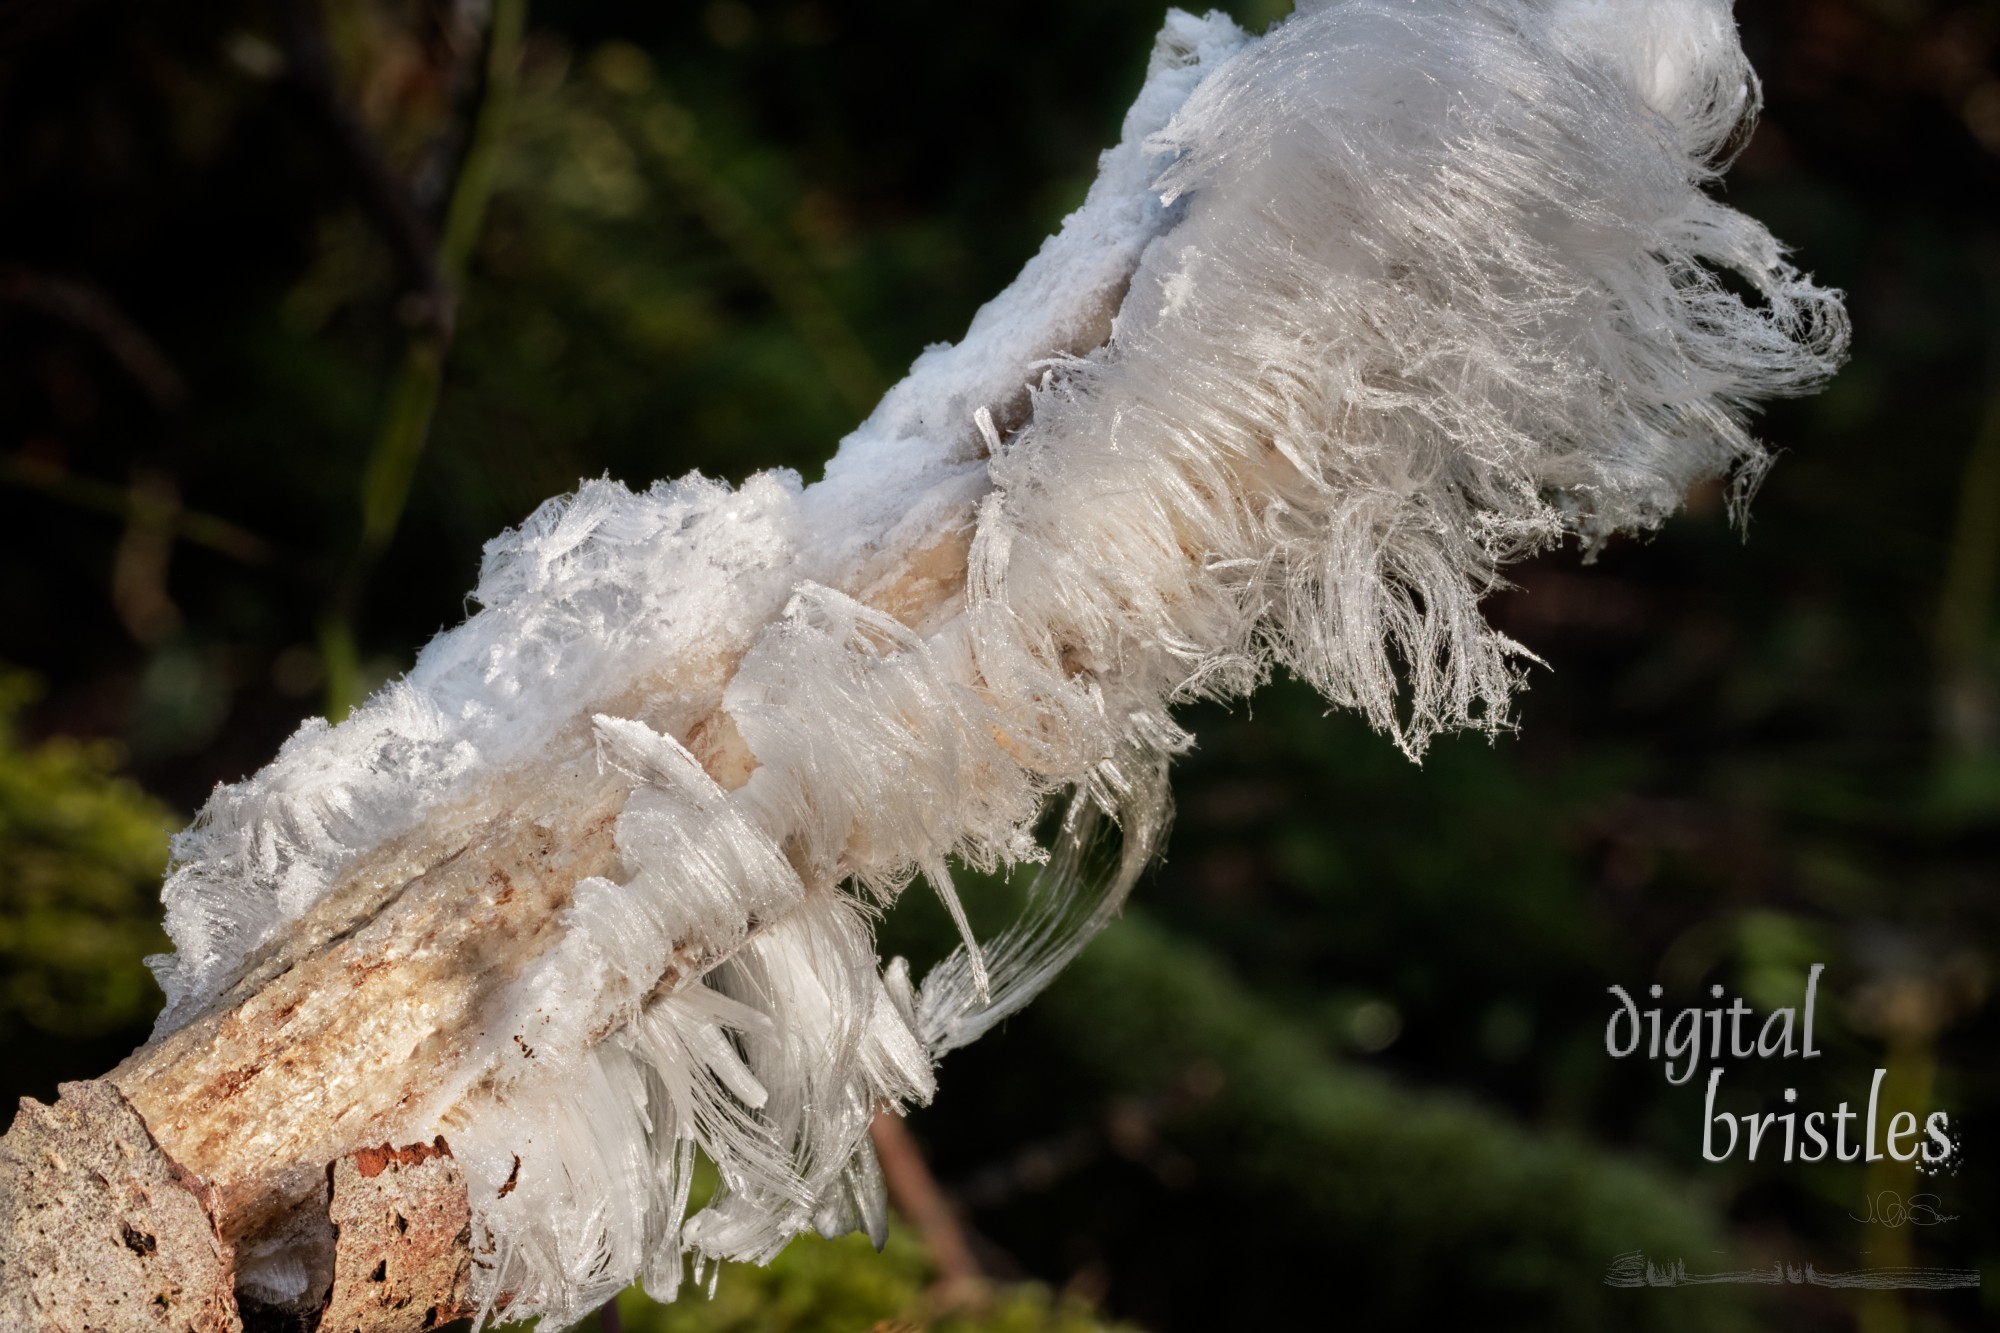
(1344,1058)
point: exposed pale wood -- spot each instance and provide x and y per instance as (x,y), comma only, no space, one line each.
(325,1049)
(334,1040)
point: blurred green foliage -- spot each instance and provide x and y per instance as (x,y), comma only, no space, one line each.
(81,851)
(843,1286)
(1432,1196)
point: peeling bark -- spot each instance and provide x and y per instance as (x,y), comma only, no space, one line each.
(348,1034)
(401,1257)
(103,1232)
(328,1048)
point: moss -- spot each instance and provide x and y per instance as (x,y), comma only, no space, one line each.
(81,851)
(843,1286)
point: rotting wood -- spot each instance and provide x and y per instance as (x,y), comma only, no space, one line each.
(332,1041)
(349,1031)
(103,1230)
(403,1234)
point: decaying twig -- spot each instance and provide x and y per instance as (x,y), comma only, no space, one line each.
(1353,315)
(915,1193)
(82,306)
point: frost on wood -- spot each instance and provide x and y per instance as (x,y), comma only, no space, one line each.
(1354,314)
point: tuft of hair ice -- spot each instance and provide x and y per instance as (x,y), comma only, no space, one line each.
(1414,290)
(1447,290)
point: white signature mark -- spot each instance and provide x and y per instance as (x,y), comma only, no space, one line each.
(1633,1269)
(1891,1210)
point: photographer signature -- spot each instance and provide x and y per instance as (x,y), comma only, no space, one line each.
(1890,1209)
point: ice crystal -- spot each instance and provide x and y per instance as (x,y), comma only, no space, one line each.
(1401,292)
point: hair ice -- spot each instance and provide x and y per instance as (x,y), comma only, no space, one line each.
(1356,313)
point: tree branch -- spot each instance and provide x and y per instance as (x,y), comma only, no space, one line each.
(82,306)
(567,903)
(384,200)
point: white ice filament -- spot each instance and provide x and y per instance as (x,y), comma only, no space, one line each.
(1356,313)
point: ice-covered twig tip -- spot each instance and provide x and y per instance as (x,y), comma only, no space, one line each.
(1355,313)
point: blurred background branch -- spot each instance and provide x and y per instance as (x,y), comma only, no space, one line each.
(434,276)
(1970,710)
